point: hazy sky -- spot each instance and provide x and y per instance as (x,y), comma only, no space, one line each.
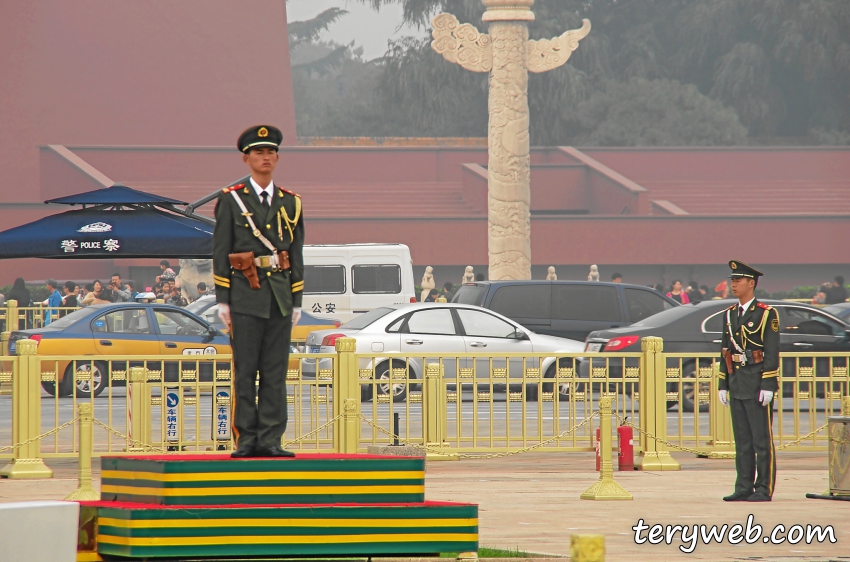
(368,28)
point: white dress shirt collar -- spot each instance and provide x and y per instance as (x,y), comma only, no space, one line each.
(745,306)
(259,190)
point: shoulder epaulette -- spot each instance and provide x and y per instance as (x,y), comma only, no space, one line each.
(733,307)
(289,192)
(233,188)
(764,306)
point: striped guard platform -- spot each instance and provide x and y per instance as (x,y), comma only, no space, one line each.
(306,479)
(149,531)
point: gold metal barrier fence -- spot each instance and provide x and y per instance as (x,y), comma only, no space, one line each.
(450,405)
(168,403)
(488,403)
(811,388)
(29,317)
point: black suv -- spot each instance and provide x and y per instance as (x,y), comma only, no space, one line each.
(569,309)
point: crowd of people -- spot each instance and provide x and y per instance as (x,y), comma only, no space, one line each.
(72,295)
(831,293)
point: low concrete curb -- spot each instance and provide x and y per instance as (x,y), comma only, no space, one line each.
(395,450)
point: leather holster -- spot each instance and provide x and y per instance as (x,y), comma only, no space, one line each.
(727,356)
(283,257)
(244,262)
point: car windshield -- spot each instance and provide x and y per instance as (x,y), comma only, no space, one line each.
(470,294)
(668,316)
(70,319)
(835,309)
(366,319)
(199,305)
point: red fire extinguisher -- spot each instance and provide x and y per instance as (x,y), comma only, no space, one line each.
(625,449)
(598,449)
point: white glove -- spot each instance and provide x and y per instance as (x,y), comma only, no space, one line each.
(765,396)
(224,313)
(296,315)
(724,397)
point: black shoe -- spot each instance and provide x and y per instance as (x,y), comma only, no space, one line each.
(738,497)
(759,497)
(275,451)
(243,452)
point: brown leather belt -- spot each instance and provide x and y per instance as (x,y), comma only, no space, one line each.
(758,357)
(740,359)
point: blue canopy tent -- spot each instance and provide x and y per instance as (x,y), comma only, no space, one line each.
(115,222)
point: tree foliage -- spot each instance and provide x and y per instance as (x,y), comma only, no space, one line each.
(650,72)
(644,112)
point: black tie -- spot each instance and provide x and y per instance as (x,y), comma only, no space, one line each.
(740,312)
(264,196)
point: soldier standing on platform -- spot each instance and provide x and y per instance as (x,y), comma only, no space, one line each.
(749,368)
(258,269)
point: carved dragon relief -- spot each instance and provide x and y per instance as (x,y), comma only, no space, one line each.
(548,54)
(507,54)
(461,43)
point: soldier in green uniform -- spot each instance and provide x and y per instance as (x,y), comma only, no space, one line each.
(258,269)
(749,368)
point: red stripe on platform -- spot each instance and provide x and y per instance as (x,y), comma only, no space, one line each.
(226,457)
(132,505)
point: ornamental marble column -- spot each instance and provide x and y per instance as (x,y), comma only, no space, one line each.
(507,54)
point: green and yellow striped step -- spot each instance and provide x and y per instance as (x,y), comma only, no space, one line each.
(143,530)
(306,479)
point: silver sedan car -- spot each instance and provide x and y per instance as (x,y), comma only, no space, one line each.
(447,329)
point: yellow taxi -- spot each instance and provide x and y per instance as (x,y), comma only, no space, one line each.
(120,329)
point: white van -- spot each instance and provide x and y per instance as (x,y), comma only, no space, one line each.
(342,281)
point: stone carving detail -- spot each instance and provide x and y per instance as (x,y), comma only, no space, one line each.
(191,273)
(509,164)
(461,43)
(548,54)
(428,283)
(594,273)
(508,55)
(551,275)
(468,275)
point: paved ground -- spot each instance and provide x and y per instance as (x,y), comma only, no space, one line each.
(532,502)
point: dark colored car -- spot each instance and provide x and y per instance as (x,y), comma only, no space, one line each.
(568,309)
(698,329)
(840,310)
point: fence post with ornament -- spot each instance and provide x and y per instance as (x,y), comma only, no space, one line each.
(653,408)
(347,397)
(26,416)
(720,423)
(138,409)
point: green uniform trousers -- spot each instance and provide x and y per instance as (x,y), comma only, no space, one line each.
(755,458)
(260,346)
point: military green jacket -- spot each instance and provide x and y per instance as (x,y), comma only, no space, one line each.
(283,225)
(757,330)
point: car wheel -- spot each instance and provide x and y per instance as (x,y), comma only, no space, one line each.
(49,387)
(690,390)
(97,381)
(531,392)
(563,386)
(64,384)
(382,372)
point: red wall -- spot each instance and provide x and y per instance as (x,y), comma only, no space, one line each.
(158,72)
(609,240)
(726,164)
